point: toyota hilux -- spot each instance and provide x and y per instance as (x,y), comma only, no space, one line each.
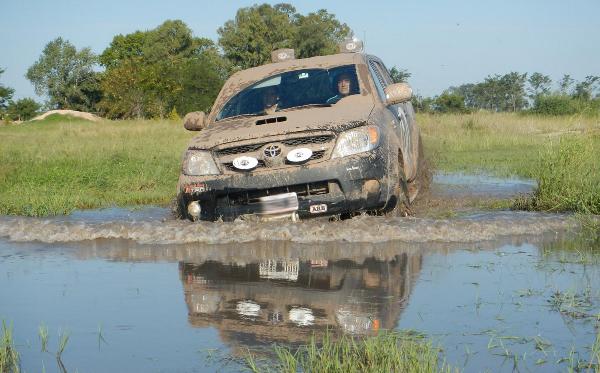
(322,136)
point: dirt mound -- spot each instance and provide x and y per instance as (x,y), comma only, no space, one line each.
(72,113)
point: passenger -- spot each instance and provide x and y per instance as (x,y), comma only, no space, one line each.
(344,87)
(271,100)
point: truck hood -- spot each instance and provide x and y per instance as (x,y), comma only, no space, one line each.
(344,114)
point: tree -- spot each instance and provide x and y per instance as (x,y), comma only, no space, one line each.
(539,84)
(148,73)
(450,103)
(399,75)
(256,31)
(513,91)
(584,90)
(318,34)
(565,83)
(6,94)
(66,76)
(23,109)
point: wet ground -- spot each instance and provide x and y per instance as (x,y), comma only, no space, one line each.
(137,291)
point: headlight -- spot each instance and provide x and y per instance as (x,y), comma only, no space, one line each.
(355,141)
(198,163)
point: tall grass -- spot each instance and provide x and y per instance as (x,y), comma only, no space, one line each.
(568,177)
(387,352)
(502,144)
(9,357)
(52,167)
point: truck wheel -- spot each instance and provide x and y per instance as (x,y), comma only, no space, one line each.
(421,181)
(178,207)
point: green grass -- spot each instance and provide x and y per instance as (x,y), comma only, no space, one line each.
(49,168)
(57,165)
(387,352)
(501,144)
(568,177)
(561,153)
(9,357)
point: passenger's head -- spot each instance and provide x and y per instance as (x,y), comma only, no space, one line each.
(344,84)
(271,96)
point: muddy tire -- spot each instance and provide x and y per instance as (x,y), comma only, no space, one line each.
(178,207)
(399,204)
(421,181)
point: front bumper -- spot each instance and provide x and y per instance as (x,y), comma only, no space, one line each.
(349,184)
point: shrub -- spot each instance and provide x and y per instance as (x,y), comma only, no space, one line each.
(555,105)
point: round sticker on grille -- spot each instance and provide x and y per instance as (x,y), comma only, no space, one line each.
(245,163)
(299,155)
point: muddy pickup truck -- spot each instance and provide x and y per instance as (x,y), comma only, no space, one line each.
(300,138)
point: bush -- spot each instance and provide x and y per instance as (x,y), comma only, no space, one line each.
(450,103)
(565,105)
(555,105)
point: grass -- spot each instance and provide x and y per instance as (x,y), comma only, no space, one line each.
(560,152)
(386,352)
(500,144)
(53,167)
(43,333)
(9,357)
(568,177)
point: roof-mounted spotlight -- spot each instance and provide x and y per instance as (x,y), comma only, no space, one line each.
(351,45)
(281,55)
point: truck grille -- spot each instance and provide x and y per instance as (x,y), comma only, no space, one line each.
(321,146)
(322,139)
(251,196)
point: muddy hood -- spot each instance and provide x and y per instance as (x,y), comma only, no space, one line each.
(338,117)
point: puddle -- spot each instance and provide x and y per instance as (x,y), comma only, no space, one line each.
(464,185)
(139,291)
(197,307)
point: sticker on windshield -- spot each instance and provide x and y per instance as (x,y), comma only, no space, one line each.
(302,75)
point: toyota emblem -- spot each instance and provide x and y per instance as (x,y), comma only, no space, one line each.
(272,151)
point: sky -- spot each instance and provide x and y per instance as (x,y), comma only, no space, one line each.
(441,43)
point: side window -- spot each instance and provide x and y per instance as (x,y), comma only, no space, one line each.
(385,74)
(378,79)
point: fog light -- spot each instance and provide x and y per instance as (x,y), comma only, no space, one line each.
(194,210)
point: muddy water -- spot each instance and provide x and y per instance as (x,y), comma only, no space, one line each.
(140,292)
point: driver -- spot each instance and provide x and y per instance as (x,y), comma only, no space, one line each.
(271,99)
(344,87)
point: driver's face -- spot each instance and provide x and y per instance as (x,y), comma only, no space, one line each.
(271,98)
(344,86)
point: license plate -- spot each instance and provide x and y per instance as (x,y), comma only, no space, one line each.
(318,209)
(278,204)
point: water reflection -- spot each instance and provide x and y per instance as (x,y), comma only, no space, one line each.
(287,300)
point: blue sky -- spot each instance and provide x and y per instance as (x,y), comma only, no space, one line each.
(442,43)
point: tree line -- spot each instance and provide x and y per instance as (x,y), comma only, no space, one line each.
(167,71)
(514,92)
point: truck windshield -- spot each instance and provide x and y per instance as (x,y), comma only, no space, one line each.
(293,90)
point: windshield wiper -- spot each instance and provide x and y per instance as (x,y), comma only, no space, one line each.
(304,106)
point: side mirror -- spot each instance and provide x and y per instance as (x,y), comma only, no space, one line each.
(194,121)
(397,93)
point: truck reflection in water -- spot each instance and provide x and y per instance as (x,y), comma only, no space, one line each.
(289,300)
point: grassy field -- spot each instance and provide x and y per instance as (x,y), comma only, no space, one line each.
(56,166)
(49,168)
(501,144)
